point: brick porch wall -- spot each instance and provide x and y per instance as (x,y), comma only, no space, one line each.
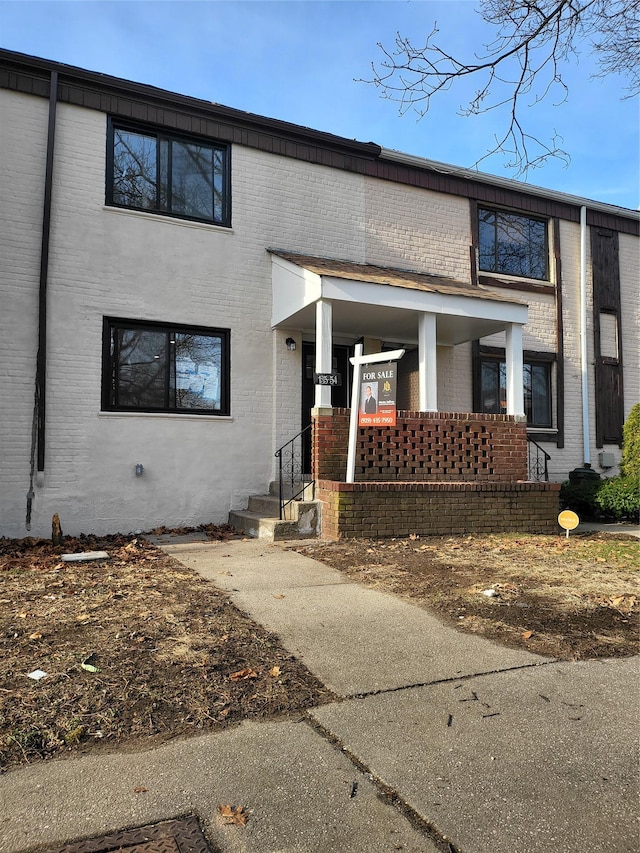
(368,510)
(432,474)
(434,447)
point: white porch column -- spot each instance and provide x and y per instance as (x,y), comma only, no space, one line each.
(427,363)
(324,322)
(514,362)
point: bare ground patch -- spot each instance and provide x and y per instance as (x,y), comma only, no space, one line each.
(571,599)
(136,649)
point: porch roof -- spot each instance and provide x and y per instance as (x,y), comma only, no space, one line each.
(383,302)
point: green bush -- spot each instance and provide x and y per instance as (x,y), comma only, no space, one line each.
(630,461)
(618,498)
(580,497)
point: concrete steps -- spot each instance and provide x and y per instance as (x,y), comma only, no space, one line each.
(261,518)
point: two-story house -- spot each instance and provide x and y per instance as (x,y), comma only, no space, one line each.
(174,272)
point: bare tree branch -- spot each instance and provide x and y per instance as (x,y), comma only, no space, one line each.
(520,68)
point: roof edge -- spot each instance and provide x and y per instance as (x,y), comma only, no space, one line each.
(467,174)
(369,150)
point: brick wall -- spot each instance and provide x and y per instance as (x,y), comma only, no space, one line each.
(356,510)
(438,447)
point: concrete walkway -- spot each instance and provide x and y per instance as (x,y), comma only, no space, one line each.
(482,749)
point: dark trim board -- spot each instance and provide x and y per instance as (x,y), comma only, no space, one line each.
(129,100)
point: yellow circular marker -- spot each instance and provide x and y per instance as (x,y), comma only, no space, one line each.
(568,520)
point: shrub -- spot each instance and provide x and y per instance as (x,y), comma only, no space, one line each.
(580,497)
(630,461)
(618,497)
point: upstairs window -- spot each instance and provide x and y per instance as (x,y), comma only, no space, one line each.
(512,244)
(151,367)
(161,173)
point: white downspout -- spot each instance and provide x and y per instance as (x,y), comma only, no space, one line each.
(583,338)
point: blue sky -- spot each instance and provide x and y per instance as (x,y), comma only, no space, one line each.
(300,61)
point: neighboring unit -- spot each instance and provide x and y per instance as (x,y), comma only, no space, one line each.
(174,272)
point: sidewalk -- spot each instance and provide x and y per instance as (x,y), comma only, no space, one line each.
(492,748)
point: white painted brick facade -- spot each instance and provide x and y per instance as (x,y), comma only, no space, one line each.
(110,262)
(630,296)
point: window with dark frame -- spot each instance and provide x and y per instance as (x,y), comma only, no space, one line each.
(512,244)
(158,172)
(537,390)
(153,367)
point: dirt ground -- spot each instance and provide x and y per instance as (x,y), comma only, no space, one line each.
(138,648)
(572,599)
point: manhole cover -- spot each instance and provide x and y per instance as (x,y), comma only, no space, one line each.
(169,836)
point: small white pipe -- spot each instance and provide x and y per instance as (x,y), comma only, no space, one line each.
(583,337)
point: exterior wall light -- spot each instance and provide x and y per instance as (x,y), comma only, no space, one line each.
(139,470)
(291,344)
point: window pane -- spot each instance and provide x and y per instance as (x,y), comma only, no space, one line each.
(487,240)
(163,189)
(134,169)
(492,381)
(218,192)
(536,379)
(141,368)
(198,371)
(526,384)
(538,249)
(192,180)
(540,395)
(512,244)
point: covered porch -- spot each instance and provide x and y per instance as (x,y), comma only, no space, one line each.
(434,472)
(333,300)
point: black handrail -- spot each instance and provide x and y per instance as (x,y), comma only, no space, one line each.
(538,468)
(291,463)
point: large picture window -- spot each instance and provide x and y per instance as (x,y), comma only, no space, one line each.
(157,172)
(149,367)
(512,244)
(537,390)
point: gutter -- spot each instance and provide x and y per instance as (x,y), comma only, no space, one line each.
(40,395)
(584,368)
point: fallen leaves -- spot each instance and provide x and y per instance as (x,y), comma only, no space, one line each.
(236,817)
(151,656)
(243,674)
(580,596)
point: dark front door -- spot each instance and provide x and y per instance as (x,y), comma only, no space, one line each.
(340,394)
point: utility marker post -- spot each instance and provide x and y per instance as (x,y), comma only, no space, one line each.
(357,361)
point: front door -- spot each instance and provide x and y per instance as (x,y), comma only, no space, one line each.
(340,394)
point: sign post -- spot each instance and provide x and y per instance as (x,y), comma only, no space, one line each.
(359,361)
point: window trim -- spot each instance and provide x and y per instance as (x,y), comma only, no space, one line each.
(548,359)
(110,323)
(159,132)
(487,273)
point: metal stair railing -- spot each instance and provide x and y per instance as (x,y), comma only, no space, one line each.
(291,461)
(537,461)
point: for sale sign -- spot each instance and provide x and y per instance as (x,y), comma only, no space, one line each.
(378,395)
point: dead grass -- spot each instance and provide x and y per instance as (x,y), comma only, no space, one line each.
(572,599)
(139,648)
(136,649)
